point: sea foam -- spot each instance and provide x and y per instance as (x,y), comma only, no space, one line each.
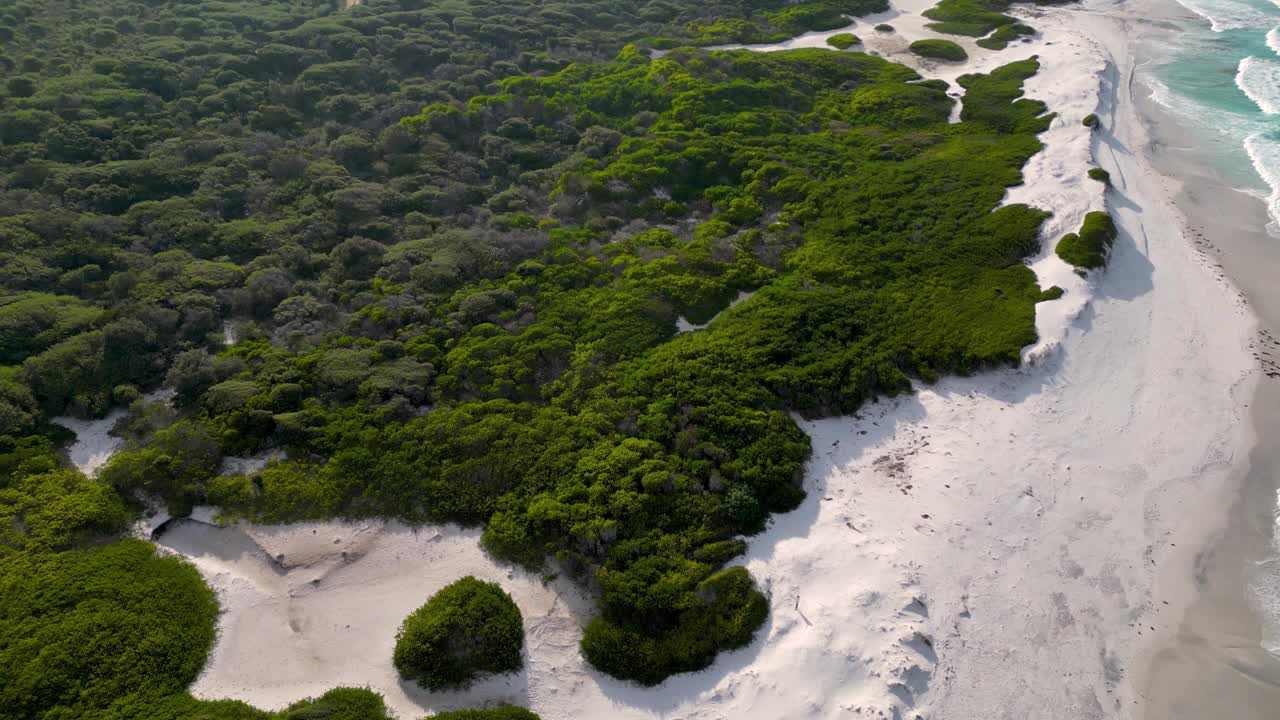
(1229,15)
(1260,80)
(1264,150)
(1273,39)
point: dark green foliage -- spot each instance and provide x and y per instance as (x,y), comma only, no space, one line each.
(996,99)
(884,27)
(1090,120)
(504,712)
(45,507)
(467,629)
(85,629)
(843,41)
(467,313)
(1004,35)
(1089,248)
(175,466)
(974,18)
(939,50)
(1100,175)
(1052,293)
(724,615)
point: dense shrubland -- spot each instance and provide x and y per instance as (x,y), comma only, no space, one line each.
(843,41)
(985,19)
(466,629)
(467,312)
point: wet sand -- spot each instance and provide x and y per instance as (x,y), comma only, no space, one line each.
(1213,663)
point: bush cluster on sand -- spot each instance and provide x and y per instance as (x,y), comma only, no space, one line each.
(1004,35)
(1090,120)
(1100,175)
(884,28)
(1089,248)
(467,629)
(1051,293)
(939,50)
(84,628)
(843,41)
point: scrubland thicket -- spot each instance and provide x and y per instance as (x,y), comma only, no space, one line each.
(453,242)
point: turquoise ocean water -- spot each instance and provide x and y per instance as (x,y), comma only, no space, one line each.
(1223,75)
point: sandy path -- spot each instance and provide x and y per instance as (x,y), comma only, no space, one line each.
(983,549)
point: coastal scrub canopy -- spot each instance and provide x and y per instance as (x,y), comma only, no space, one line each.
(454,243)
(1089,248)
(466,629)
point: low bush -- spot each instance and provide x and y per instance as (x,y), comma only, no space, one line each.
(1100,175)
(1004,35)
(884,27)
(939,50)
(1052,293)
(1089,248)
(468,628)
(725,616)
(1090,120)
(996,99)
(843,41)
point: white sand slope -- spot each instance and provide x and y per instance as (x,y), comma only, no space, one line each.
(986,548)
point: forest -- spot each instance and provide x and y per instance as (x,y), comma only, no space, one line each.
(437,251)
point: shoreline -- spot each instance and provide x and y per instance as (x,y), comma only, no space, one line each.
(1213,662)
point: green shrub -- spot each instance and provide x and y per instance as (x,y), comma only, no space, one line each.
(1100,175)
(974,18)
(843,41)
(1090,120)
(1004,35)
(727,611)
(1052,293)
(466,629)
(939,50)
(1089,248)
(884,27)
(83,629)
(336,704)
(996,99)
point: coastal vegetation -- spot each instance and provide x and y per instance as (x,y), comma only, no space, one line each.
(452,245)
(1090,120)
(939,50)
(109,625)
(1004,35)
(884,27)
(843,41)
(105,629)
(1052,293)
(466,629)
(1088,248)
(1100,175)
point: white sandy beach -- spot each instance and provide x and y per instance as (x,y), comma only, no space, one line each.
(1000,546)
